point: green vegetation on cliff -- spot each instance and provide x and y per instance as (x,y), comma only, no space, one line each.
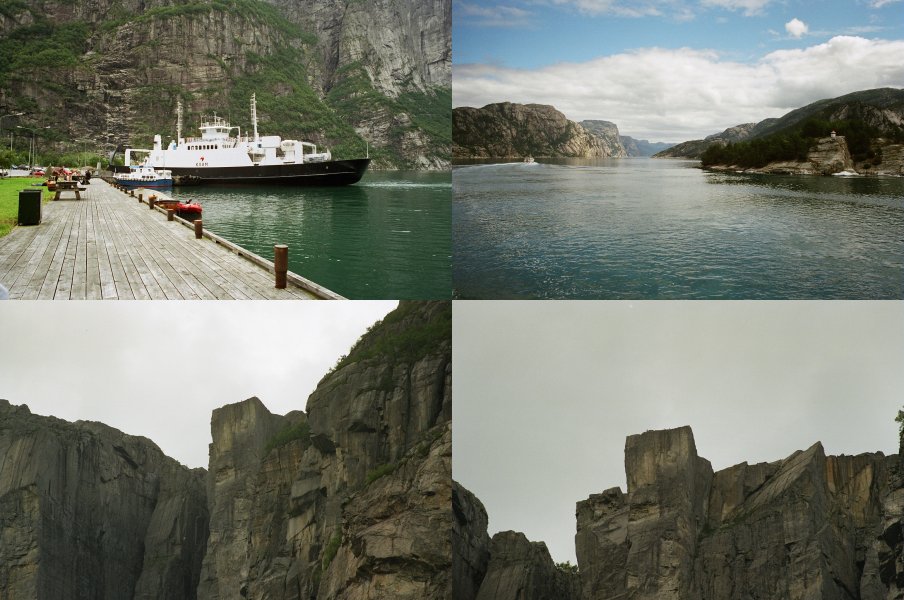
(406,345)
(794,143)
(298,431)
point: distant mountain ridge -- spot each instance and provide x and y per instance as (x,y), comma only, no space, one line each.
(635,147)
(511,130)
(882,109)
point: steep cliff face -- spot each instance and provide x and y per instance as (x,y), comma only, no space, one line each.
(808,527)
(607,133)
(353,499)
(336,73)
(89,512)
(510,130)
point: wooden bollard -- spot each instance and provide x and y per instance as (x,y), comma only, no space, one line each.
(132,193)
(199,229)
(169,214)
(280,264)
(152,201)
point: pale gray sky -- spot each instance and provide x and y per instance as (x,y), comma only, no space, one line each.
(546,392)
(158,369)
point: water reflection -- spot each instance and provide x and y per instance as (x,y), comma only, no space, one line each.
(386,237)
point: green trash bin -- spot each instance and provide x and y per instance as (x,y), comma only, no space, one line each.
(30,207)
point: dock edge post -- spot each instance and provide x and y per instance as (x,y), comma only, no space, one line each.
(280,264)
(169,214)
(199,229)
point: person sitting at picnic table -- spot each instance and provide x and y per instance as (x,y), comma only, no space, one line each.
(88,176)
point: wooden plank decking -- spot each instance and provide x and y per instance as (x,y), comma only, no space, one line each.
(108,246)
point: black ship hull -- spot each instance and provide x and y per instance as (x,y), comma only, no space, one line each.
(334,172)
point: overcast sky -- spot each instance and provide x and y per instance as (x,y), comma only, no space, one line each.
(673,70)
(158,369)
(546,392)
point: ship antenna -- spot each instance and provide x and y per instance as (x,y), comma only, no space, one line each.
(178,121)
(254,115)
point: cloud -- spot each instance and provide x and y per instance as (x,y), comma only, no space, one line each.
(750,7)
(493,16)
(796,28)
(681,94)
(881,3)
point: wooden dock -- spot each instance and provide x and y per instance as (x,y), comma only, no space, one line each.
(109,246)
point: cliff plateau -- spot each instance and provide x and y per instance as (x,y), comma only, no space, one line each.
(349,500)
(508,130)
(808,527)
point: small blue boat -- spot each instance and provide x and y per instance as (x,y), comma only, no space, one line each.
(145,176)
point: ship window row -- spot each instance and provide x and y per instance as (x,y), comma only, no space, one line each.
(204,147)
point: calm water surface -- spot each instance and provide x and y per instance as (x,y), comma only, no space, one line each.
(387,236)
(644,228)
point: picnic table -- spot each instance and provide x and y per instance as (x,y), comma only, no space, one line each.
(67,186)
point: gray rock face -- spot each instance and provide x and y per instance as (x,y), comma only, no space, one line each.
(89,512)
(395,542)
(805,528)
(470,543)
(240,433)
(523,570)
(510,130)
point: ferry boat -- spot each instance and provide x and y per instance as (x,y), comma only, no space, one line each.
(145,176)
(529,160)
(219,157)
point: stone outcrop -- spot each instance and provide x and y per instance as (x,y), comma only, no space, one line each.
(808,527)
(828,156)
(470,543)
(523,570)
(87,511)
(377,71)
(508,130)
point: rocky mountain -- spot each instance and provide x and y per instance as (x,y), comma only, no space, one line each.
(348,500)
(880,112)
(507,130)
(808,526)
(98,73)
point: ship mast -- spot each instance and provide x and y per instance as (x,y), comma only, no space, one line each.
(254,115)
(179,121)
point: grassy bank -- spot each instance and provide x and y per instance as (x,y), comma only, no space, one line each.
(9,200)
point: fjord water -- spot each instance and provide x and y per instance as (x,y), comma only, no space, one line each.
(653,228)
(386,237)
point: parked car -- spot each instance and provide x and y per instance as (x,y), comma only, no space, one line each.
(37,173)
